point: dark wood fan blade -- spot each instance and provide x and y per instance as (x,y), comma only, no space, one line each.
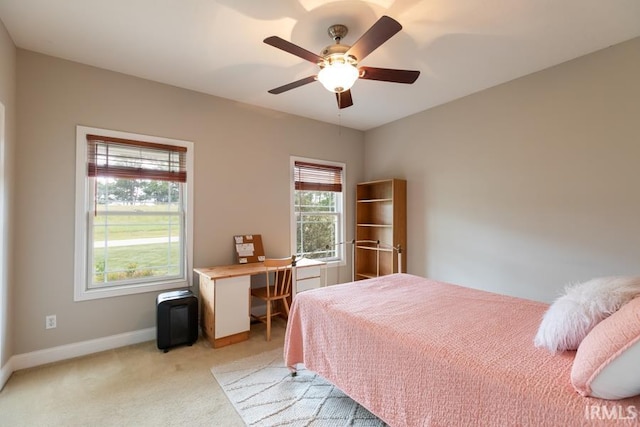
(344,99)
(293,49)
(389,75)
(293,85)
(379,33)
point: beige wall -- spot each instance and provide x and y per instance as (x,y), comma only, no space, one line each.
(7,98)
(241,183)
(517,189)
(526,186)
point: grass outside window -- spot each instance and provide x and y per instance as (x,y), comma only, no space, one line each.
(135,242)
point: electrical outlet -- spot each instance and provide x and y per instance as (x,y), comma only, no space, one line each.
(50,321)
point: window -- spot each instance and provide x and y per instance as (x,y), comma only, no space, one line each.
(133,213)
(318,209)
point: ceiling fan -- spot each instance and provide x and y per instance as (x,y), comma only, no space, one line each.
(339,63)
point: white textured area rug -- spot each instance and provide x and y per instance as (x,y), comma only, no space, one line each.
(264,393)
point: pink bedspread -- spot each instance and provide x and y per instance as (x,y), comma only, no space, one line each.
(416,352)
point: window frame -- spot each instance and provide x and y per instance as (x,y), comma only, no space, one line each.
(82,289)
(342,215)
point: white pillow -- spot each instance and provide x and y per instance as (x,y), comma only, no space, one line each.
(606,364)
(583,306)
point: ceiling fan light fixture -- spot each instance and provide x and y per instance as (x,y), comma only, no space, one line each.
(338,74)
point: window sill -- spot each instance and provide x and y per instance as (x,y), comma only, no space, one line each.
(91,294)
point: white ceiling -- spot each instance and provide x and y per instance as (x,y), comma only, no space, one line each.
(215,46)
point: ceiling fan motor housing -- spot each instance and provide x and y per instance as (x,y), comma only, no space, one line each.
(334,49)
(335,52)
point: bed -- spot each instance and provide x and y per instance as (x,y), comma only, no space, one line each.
(417,352)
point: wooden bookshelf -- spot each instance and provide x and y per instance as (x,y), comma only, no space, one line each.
(381,223)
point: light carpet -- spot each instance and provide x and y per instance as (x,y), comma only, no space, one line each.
(264,393)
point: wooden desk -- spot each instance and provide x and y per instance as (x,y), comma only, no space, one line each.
(225,295)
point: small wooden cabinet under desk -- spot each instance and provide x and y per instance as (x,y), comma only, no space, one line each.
(308,275)
(225,297)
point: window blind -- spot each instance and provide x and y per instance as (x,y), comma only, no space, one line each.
(317,177)
(125,158)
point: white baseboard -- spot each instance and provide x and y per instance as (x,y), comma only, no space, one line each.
(68,351)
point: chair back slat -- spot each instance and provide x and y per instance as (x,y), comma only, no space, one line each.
(278,291)
(282,276)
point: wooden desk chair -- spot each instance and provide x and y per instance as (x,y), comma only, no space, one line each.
(278,290)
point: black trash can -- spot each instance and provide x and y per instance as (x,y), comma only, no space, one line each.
(177,321)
